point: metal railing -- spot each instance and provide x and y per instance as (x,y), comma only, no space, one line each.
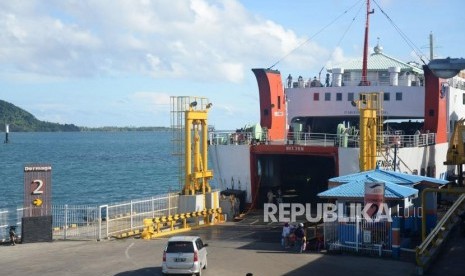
(354,81)
(230,138)
(129,216)
(75,222)
(95,222)
(4,225)
(431,246)
(360,236)
(323,139)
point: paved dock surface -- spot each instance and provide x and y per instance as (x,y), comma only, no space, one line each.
(249,246)
(451,261)
(234,249)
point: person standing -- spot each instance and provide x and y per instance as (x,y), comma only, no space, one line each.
(237,205)
(300,238)
(279,197)
(12,233)
(270,196)
(289,81)
(285,235)
(327,80)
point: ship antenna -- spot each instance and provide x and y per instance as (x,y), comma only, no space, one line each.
(364,81)
(318,32)
(344,34)
(415,49)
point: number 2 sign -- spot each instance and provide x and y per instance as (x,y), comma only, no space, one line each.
(39,185)
(37,190)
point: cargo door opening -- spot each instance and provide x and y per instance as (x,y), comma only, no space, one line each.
(299,177)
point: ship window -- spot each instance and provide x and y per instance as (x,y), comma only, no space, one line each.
(387,97)
(316,97)
(279,102)
(398,96)
(463,98)
(350,96)
(346,77)
(339,97)
(383,77)
(327,96)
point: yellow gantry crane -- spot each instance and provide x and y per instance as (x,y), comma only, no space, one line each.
(370,106)
(456,150)
(189,124)
(196,149)
(189,127)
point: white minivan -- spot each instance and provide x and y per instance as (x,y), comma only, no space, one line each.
(184,255)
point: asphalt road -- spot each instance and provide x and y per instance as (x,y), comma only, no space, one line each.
(233,250)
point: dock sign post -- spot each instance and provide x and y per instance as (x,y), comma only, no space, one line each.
(374,195)
(37,214)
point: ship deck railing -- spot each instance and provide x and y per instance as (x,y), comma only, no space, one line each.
(373,80)
(387,139)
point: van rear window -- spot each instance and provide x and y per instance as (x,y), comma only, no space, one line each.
(180,247)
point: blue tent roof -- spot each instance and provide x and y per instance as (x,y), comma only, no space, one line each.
(388,176)
(356,189)
(398,185)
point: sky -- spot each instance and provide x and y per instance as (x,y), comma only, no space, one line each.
(98,63)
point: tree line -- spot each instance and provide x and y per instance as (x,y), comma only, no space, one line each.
(19,120)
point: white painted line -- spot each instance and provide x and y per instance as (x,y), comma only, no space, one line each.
(126,252)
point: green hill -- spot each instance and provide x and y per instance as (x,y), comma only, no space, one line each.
(23,121)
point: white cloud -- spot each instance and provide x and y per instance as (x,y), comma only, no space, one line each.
(197,39)
(193,47)
(337,58)
(153,100)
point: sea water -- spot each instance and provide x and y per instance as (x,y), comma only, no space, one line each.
(90,167)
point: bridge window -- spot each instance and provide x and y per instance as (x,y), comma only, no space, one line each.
(338,96)
(327,96)
(279,102)
(350,96)
(398,96)
(463,98)
(387,96)
(316,96)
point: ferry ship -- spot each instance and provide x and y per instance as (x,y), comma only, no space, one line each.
(309,130)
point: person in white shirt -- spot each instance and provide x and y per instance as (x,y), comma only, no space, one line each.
(285,235)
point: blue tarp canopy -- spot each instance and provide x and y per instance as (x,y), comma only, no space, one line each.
(397,185)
